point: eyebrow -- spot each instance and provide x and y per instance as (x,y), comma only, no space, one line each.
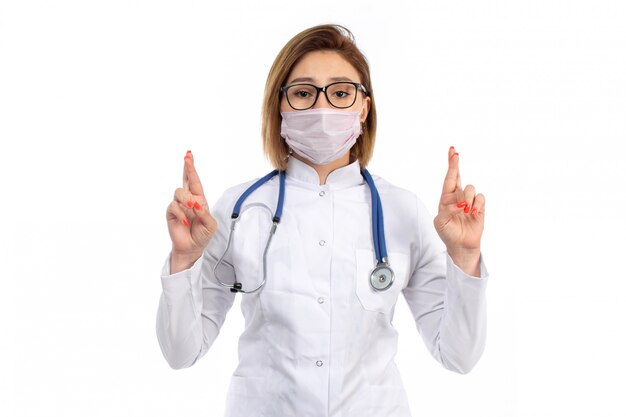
(311,80)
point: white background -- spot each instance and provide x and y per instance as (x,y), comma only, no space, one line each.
(100,100)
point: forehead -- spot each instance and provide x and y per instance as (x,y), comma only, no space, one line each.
(323,67)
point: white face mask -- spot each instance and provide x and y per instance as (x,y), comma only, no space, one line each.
(320,135)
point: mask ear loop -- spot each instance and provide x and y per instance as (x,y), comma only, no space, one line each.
(353,156)
(363,122)
(360,110)
(289,153)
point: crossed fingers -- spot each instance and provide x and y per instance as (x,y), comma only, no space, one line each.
(453,192)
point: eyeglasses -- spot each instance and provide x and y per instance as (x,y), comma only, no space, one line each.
(340,94)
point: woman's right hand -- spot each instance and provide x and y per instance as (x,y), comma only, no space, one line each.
(189,221)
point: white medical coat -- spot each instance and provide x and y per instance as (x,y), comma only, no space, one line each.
(318,340)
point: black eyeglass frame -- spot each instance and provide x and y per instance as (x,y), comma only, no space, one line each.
(358,87)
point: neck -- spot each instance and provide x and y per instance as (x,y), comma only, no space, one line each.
(324,170)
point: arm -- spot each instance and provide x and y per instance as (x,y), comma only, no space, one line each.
(447,304)
(193,306)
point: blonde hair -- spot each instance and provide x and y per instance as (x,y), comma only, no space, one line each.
(335,38)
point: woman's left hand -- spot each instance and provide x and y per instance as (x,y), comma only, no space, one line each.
(461,217)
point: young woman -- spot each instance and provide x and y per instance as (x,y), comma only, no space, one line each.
(321,250)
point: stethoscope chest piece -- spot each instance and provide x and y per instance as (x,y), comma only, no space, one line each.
(381,277)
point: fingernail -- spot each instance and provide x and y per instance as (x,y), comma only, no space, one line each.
(189,204)
(197,206)
(474,211)
(188,154)
(185,222)
(456,153)
(466,209)
(451,148)
(461,204)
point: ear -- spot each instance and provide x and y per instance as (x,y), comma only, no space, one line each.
(365,110)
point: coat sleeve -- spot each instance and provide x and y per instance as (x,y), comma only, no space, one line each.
(448,306)
(193,305)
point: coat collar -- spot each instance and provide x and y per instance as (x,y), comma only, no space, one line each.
(343,177)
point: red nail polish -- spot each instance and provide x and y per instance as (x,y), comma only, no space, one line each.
(461,204)
(189,204)
(451,148)
(197,206)
(474,212)
(185,222)
(466,209)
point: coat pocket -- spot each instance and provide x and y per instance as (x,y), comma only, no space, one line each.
(381,400)
(246,396)
(375,300)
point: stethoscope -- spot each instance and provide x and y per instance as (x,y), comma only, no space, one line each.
(381,277)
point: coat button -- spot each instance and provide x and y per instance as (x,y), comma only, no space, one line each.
(322,242)
(320,300)
(319,363)
(322,193)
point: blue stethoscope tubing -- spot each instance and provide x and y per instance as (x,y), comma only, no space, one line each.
(381,277)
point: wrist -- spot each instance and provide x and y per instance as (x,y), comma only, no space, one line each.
(187,254)
(464,253)
(468,260)
(181,261)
